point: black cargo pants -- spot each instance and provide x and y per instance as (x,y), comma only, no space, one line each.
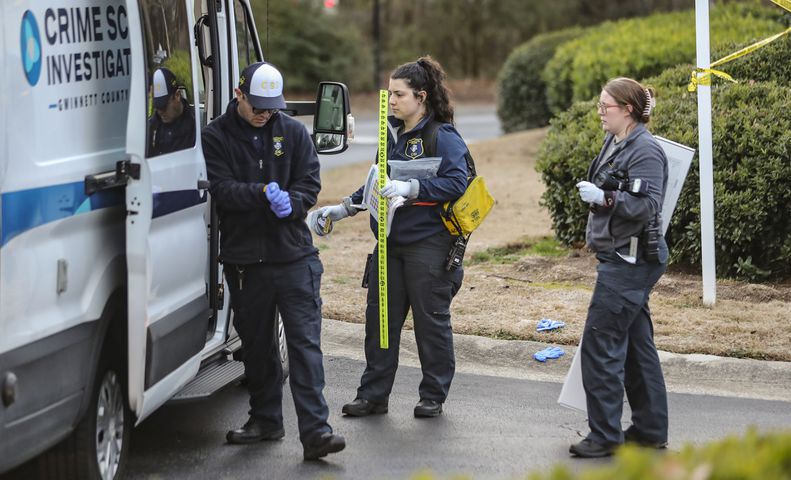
(618,352)
(417,280)
(293,288)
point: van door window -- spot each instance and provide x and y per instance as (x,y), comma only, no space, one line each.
(171,122)
(245,44)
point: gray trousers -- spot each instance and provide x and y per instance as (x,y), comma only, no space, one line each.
(417,280)
(618,352)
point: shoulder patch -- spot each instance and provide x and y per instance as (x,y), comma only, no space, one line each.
(278,143)
(414,148)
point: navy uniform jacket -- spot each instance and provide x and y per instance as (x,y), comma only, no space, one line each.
(170,137)
(241,160)
(413,223)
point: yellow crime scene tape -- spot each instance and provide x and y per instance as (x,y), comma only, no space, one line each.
(702,76)
(382,219)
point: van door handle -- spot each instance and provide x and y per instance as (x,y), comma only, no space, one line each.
(204,184)
(124,170)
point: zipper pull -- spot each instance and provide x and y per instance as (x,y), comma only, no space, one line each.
(240,271)
(260,164)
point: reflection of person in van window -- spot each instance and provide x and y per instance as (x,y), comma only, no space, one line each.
(172,126)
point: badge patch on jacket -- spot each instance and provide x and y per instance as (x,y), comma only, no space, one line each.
(414,148)
(278,146)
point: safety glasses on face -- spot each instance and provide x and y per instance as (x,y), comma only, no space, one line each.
(260,111)
(602,107)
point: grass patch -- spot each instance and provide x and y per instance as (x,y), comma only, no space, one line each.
(511,253)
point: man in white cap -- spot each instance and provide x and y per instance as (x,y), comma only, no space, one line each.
(172,126)
(264,174)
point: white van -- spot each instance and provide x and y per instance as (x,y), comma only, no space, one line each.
(111,296)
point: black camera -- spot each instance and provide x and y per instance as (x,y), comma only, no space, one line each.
(651,241)
(456,254)
(610,179)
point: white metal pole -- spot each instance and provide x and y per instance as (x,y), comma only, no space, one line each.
(705,157)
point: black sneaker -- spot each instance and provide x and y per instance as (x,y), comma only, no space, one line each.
(254,431)
(589,449)
(428,408)
(631,436)
(361,407)
(323,445)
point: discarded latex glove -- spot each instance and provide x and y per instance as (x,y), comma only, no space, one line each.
(548,324)
(549,353)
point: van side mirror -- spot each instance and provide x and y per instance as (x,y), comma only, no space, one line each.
(333,125)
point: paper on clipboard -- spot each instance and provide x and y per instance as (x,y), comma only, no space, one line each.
(679,158)
(371,197)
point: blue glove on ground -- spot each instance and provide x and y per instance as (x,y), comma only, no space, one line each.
(549,353)
(279,201)
(547,324)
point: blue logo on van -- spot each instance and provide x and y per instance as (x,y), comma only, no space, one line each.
(30,42)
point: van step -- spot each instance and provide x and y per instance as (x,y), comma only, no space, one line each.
(210,380)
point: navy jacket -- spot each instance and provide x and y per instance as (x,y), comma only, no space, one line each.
(413,223)
(170,137)
(241,160)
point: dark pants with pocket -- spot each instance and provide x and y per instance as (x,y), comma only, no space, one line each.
(293,289)
(618,352)
(416,280)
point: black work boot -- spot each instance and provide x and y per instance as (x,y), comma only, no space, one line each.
(361,407)
(427,408)
(631,435)
(322,445)
(587,448)
(254,431)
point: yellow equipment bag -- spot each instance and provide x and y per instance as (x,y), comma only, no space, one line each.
(466,214)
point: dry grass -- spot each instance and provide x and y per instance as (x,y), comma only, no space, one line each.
(505,296)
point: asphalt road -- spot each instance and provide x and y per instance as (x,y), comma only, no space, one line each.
(474,122)
(493,427)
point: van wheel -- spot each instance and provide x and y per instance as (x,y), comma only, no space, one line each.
(98,447)
(282,349)
(282,346)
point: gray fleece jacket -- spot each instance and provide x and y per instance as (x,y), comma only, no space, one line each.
(640,156)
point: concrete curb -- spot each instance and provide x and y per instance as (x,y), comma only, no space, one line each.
(694,374)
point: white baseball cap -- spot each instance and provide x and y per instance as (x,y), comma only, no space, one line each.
(263,85)
(165,84)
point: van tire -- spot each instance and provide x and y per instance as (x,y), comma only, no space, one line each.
(282,349)
(282,346)
(84,453)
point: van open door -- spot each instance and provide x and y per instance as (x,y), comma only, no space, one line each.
(166,201)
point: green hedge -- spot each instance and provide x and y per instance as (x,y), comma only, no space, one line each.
(752,457)
(643,47)
(752,67)
(521,91)
(752,173)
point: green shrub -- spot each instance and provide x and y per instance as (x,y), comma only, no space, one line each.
(643,47)
(751,457)
(752,173)
(752,67)
(521,91)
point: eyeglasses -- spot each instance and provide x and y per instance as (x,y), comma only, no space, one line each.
(602,107)
(259,111)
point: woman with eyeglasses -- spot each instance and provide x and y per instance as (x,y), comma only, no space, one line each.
(625,187)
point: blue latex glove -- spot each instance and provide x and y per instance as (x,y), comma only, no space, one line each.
(279,201)
(546,324)
(549,353)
